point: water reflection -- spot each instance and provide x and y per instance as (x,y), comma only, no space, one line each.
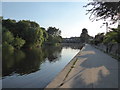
(35,68)
(28,61)
(52,52)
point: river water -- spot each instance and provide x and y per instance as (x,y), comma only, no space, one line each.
(35,68)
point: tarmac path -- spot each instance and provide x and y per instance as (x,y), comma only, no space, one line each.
(92,69)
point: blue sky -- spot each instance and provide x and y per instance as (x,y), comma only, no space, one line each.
(69,17)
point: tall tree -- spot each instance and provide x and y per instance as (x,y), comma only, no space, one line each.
(54,31)
(84,35)
(54,35)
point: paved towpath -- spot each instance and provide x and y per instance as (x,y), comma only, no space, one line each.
(90,68)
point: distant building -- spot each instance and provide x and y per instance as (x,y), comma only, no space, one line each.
(71,40)
(75,40)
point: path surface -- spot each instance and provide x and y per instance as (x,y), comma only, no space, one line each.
(93,69)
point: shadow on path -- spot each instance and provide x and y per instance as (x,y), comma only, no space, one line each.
(94,69)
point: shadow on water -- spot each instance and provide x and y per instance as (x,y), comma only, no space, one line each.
(28,61)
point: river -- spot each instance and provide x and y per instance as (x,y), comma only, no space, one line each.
(35,68)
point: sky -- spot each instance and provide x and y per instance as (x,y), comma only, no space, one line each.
(69,17)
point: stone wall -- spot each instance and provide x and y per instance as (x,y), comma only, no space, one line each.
(112,49)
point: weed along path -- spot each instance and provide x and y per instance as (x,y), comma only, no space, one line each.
(90,68)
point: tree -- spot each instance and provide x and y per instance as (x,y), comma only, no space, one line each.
(30,32)
(104,10)
(45,34)
(18,42)
(8,37)
(113,36)
(54,35)
(38,37)
(54,31)
(98,38)
(8,23)
(10,41)
(84,37)
(110,39)
(33,37)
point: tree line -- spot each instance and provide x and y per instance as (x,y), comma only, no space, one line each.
(109,39)
(112,36)
(27,34)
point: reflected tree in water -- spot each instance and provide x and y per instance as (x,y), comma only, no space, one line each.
(53,53)
(10,61)
(28,61)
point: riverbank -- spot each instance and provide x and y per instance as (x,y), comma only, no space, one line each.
(90,68)
(61,77)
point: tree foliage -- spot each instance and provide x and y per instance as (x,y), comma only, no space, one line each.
(25,33)
(104,10)
(98,38)
(54,31)
(45,34)
(54,35)
(8,37)
(11,41)
(18,42)
(84,36)
(112,36)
